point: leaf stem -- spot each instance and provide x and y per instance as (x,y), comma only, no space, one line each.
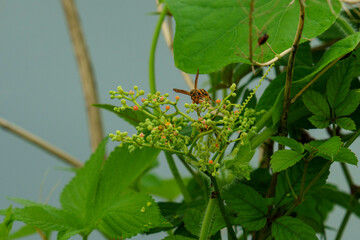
(206,224)
(152,82)
(177,177)
(345,26)
(223,211)
(290,72)
(290,186)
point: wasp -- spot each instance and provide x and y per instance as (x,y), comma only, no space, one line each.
(196,94)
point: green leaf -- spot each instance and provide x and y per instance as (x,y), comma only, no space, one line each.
(285,228)
(132,117)
(349,105)
(314,211)
(346,123)
(339,197)
(48,218)
(316,103)
(345,155)
(165,188)
(338,85)
(284,159)
(173,213)
(249,204)
(6,225)
(330,148)
(23,232)
(238,161)
(78,196)
(131,214)
(283,194)
(319,122)
(178,237)
(211,34)
(64,235)
(121,169)
(291,143)
(194,217)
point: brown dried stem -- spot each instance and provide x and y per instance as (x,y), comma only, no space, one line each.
(40,143)
(86,72)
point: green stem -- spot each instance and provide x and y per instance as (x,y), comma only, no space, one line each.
(344,25)
(352,139)
(260,138)
(345,219)
(192,172)
(152,82)
(322,171)
(206,224)
(290,186)
(224,214)
(303,181)
(347,175)
(177,177)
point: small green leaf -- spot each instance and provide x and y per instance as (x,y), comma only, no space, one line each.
(131,214)
(349,105)
(284,159)
(238,164)
(319,122)
(330,148)
(48,218)
(316,103)
(291,143)
(249,204)
(346,123)
(345,155)
(132,117)
(285,228)
(6,225)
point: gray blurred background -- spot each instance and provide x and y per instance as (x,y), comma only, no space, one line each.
(40,91)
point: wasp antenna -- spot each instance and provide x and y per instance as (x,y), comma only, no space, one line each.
(196,79)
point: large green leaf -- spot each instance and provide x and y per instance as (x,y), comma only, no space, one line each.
(249,204)
(314,211)
(78,196)
(121,169)
(284,159)
(285,228)
(339,197)
(48,218)
(131,214)
(345,155)
(132,117)
(283,193)
(346,123)
(211,34)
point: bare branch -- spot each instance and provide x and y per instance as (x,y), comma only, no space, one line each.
(86,72)
(40,143)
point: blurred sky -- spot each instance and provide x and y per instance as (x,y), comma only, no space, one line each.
(40,89)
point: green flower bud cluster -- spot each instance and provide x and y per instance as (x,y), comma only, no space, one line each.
(202,140)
